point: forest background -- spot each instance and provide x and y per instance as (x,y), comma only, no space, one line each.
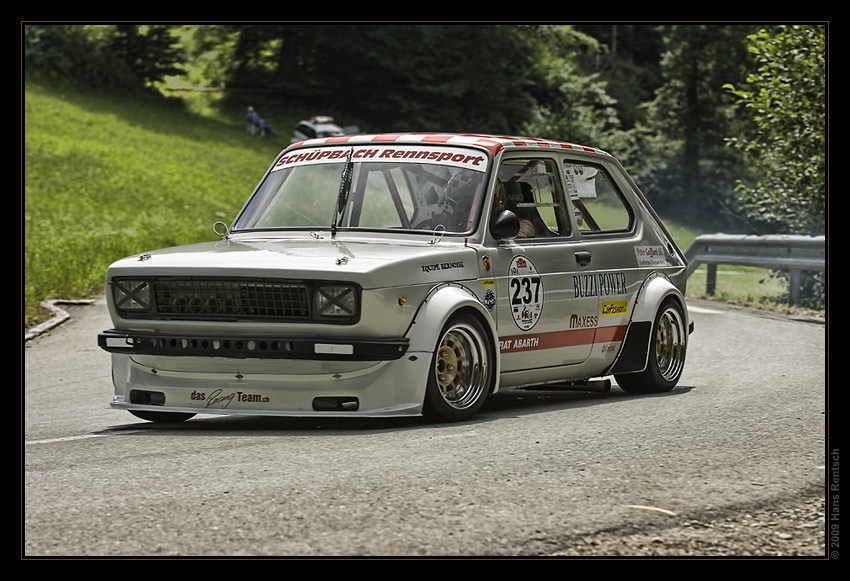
(723,125)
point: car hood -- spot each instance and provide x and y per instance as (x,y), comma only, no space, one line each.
(370,264)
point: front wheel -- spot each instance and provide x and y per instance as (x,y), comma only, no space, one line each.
(462,370)
(667,360)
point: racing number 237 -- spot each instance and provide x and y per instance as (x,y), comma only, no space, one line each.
(525,290)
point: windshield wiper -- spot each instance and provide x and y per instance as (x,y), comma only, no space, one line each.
(344,191)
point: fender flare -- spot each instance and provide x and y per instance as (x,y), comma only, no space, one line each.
(442,302)
(634,354)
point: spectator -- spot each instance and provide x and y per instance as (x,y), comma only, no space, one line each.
(258,124)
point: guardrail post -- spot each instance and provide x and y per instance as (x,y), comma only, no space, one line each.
(711,279)
(794,286)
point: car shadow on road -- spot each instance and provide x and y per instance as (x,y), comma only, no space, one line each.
(506,403)
(537,399)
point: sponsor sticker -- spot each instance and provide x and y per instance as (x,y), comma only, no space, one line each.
(222,399)
(600,285)
(455,157)
(441,266)
(583,322)
(489,299)
(606,338)
(615,308)
(650,256)
(581,182)
(519,344)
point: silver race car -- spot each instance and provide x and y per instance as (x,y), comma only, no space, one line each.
(405,274)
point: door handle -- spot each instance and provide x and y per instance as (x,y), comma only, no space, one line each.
(583,258)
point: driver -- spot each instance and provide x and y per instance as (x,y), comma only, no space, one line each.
(501,202)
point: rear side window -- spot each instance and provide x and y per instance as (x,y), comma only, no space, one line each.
(596,202)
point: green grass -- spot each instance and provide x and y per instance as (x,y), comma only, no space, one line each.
(106,177)
(741,284)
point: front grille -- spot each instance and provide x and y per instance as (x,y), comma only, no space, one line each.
(231,300)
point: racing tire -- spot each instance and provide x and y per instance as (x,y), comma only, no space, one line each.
(162,417)
(666,359)
(462,371)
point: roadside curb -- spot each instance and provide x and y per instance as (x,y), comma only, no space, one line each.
(59,316)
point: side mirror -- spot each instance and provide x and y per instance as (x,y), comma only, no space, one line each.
(505,225)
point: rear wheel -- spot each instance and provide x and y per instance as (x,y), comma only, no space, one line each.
(462,370)
(667,359)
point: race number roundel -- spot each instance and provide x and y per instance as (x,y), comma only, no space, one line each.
(526,293)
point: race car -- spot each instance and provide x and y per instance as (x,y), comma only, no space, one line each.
(395,275)
(318,126)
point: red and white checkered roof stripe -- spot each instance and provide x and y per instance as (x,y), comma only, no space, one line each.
(493,143)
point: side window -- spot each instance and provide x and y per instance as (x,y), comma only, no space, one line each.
(530,188)
(596,203)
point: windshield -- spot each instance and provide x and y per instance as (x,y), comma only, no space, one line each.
(388,188)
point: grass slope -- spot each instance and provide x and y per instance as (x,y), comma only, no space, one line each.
(106,177)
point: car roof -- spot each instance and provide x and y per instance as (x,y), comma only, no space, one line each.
(493,143)
(320,121)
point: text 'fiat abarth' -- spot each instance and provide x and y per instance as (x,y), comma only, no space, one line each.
(401,275)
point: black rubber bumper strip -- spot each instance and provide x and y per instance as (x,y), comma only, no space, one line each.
(136,343)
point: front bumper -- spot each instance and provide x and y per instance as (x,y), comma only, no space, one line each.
(295,377)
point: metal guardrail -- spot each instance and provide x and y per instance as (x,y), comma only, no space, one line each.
(792,253)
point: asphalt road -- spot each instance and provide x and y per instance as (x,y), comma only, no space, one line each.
(533,474)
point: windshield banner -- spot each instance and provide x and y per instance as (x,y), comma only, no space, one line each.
(465,158)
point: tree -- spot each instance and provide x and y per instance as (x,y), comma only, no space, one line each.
(684,159)
(785,104)
(570,100)
(629,61)
(454,77)
(118,57)
(150,52)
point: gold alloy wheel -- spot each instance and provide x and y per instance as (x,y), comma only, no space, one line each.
(670,343)
(460,367)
